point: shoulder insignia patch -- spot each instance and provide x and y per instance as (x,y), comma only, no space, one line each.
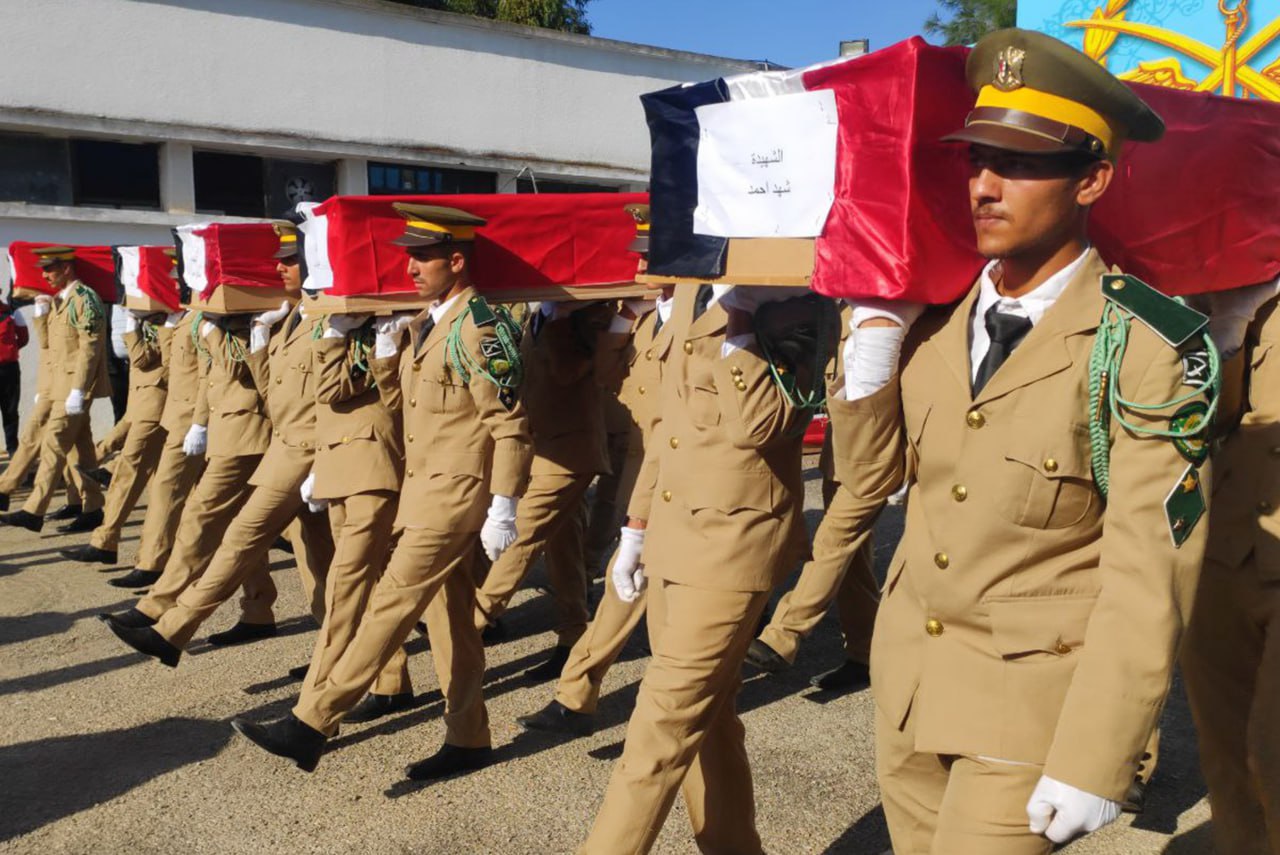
(482,314)
(507,396)
(1195,367)
(1184,506)
(1191,433)
(1167,317)
(490,347)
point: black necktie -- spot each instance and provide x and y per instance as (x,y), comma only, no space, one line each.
(703,300)
(294,320)
(1007,332)
(425,330)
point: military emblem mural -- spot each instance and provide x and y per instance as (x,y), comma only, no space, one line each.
(1227,47)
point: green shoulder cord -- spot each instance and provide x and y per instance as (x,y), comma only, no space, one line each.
(1106,401)
(359,350)
(93,309)
(148,332)
(506,332)
(233,349)
(197,341)
(805,400)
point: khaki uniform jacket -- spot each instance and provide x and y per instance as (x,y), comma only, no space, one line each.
(148,379)
(284,373)
(721,481)
(80,353)
(639,391)
(1246,484)
(182,371)
(560,393)
(46,367)
(1022,619)
(359,444)
(229,404)
(462,443)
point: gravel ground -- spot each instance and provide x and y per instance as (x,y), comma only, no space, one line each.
(102,751)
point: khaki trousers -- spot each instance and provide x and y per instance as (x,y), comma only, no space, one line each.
(243,551)
(432,571)
(114,441)
(951,804)
(685,733)
(362,526)
(550,517)
(599,647)
(137,460)
(66,441)
(312,540)
(28,453)
(222,489)
(1231,663)
(605,518)
(175,475)
(842,569)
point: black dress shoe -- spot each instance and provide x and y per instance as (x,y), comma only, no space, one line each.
(1135,799)
(374,707)
(555,717)
(100,476)
(4,501)
(22,519)
(243,633)
(550,670)
(82,523)
(147,641)
(766,658)
(136,579)
(132,618)
(287,737)
(849,676)
(449,760)
(67,512)
(90,554)
(282,544)
(299,672)
(493,632)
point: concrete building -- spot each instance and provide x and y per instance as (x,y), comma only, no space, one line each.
(120,119)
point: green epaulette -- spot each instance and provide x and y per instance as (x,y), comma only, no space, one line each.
(92,305)
(1167,317)
(499,359)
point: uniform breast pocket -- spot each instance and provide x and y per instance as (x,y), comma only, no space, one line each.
(1047,481)
(704,406)
(441,394)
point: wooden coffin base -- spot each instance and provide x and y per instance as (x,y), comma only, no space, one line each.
(386,304)
(147,304)
(238,300)
(756,261)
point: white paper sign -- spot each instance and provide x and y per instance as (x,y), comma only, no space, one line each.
(194,273)
(767,166)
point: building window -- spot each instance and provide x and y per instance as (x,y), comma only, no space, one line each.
(391,178)
(245,185)
(35,170)
(115,175)
(546,185)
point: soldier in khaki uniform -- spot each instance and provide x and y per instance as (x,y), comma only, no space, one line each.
(1027,631)
(721,479)
(566,415)
(176,472)
(282,369)
(466,440)
(77,332)
(633,369)
(1231,658)
(148,385)
(358,468)
(842,570)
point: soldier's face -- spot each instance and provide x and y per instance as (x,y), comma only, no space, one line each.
(1025,204)
(434,269)
(290,274)
(57,275)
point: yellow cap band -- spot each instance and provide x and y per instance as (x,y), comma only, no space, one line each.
(458,232)
(288,238)
(642,227)
(1053,107)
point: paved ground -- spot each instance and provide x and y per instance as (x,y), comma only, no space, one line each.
(103,752)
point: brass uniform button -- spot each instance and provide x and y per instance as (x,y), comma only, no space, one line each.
(1264,507)
(688,347)
(674,442)
(666,495)
(346,439)
(304,445)
(975,419)
(409,438)
(648,354)
(740,386)
(959,493)
(417,366)
(942,560)
(641,390)
(934,627)
(1050,465)
(279,379)
(1063,648)
(413,402)
(409,473)
(735,371)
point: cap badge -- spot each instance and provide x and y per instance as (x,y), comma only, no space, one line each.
(1008,70)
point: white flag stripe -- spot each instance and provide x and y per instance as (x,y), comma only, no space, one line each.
(130,270)
(764,84)
(315,245)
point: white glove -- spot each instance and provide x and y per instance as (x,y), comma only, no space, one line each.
(260,330)
(196,441)
(1060,812)
(751,297)
(174,318)
(339,325)
(130,322)
(75,402)
(307,491)
(386,340)
(628,572)
(499,529)
(42,306)
(637,306)
(1231,312)
(871,354)
(36,399)
(206,328)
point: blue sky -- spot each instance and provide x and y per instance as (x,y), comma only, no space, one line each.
(788,32)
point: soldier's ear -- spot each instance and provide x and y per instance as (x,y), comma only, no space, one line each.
(1094,180)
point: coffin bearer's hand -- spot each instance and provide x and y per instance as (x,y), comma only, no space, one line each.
(75,402)
(307,490)
(196,441)
(877,330)
(43,305)
(1231,312)
(499,530)
(337,326)
(131,322)
(260,331)
(172,319)
(1060,812)
(387,337)
(628,572)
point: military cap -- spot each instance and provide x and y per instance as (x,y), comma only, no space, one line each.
(173,262)
(1041,96)
(288,234)
(47,256)
(427,225)
(640,213)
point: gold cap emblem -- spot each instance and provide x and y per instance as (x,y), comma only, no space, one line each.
(1008,72)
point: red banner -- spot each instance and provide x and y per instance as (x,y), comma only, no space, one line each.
(94,267)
